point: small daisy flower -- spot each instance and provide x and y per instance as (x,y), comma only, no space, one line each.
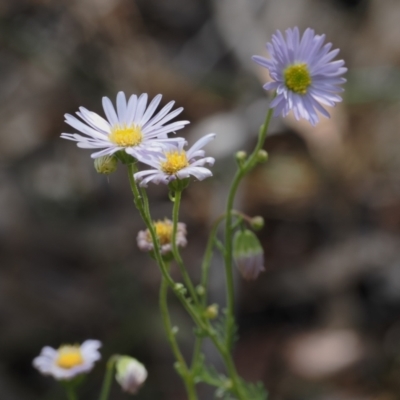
(176,163)
(131,127)
(130,374)
(69,360)
(304,74)
(164,230)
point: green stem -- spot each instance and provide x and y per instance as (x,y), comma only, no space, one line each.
(205,270)
(182,366)
(240,173)
(71,394)
(107,381)
(138,199)
(193,312)
(175,250)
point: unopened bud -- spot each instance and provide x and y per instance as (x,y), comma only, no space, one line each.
(248,254)
(241,156)
(262,156)
(211,311)
(130,374)
(180,288)
(106,164)
(257,223)
(200,290)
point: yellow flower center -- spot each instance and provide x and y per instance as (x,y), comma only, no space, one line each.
(176,160)
(69,357)
(297,78)
(126,135)
(164,231)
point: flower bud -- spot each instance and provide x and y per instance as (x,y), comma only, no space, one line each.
(130,374)
(241,156)
(262,156)
(106,164)
(257,223)
(200,290)
(180,288)
(248,254)
(211,311)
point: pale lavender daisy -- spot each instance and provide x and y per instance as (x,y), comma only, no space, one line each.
(176,163)
(68,361)
(131,127)
(304,74)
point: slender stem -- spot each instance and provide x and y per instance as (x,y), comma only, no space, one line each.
(107,381)
(240,173)
(138,199)
(71,392)
(205,269)
(193,312)
(183,369)
(175,250)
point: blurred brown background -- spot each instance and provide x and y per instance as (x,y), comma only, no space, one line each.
(323,322)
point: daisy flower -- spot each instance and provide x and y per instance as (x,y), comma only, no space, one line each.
(176,163)
(164,230)
(304,74)
(131,127)
(69,360)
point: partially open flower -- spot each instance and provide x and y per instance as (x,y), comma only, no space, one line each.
(248,254)
(131,374)
(69,360)
(177,163)
(164,230)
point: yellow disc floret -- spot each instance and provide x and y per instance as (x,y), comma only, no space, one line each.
(297,78)
(69,357)
(164,231)
(126,136)
(175,161)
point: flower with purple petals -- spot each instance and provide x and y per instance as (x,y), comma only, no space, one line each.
(176,163)
(304,75)
(68,361)
(131,127)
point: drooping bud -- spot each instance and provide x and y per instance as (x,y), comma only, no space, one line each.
(257,223)
(248,254)
(106,164)
(130,374)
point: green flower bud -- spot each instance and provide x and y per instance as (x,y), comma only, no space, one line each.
(262,156)
(180,288)
(130,374)
(211,311)
(248,254)
(106,164)
(200,290)
(241,156)
(257,223)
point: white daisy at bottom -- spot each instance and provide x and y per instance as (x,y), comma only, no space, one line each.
(68,361)
(176,163)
